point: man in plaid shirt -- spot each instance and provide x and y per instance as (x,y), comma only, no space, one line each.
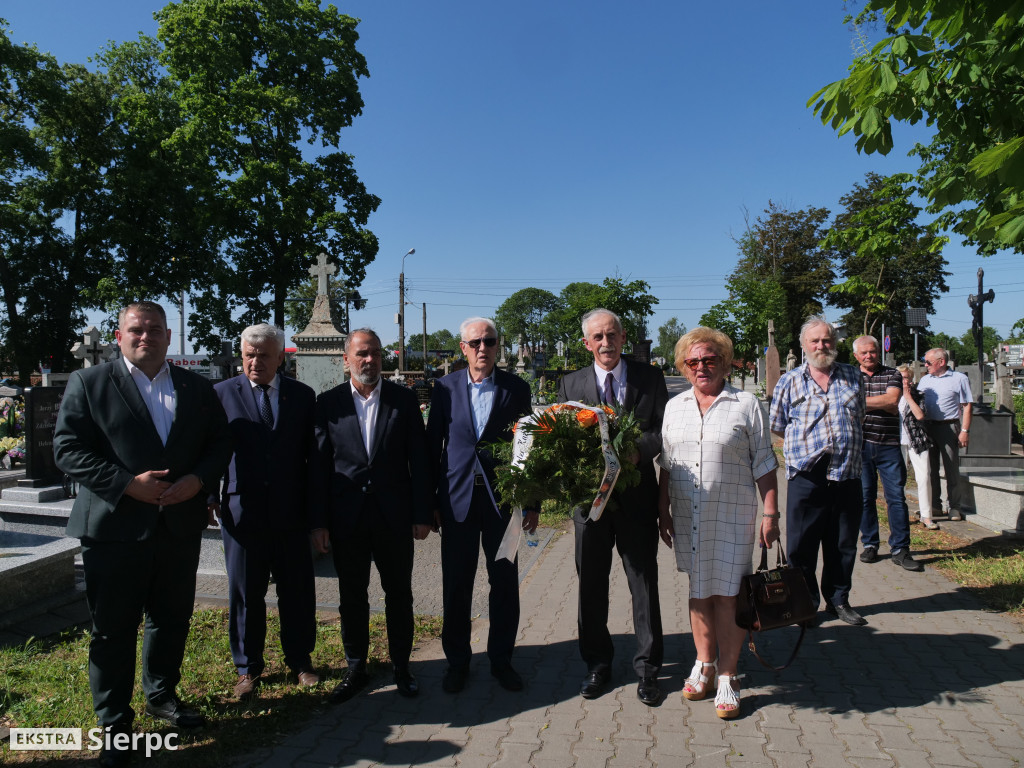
(819,409)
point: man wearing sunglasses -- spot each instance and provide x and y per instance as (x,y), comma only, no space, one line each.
(470,409)
(632,526)
(947,404)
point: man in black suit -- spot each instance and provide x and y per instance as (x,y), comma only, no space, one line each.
(142,440)
(632,526)
(371,501)
(468,410)
(264,511)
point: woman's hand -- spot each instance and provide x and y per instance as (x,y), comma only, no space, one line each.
(769,530)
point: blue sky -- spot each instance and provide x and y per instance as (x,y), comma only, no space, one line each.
(541,143)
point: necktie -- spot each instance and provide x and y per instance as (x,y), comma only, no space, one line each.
(265,412)
(609,391)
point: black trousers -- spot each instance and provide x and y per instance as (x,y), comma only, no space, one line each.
(251,558)
(124,581)
(460,551)
(372,539)
(824,513)
(635,536)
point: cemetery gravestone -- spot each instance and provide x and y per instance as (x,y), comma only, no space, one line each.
(41,406)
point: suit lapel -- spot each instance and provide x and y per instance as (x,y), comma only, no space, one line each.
(590,393)
(350,418)
(131,397)
(629,399)
(247,399)
(184,400)
(460,395)
(499,405)
(384,408)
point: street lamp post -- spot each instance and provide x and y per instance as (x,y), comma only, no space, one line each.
(401,313)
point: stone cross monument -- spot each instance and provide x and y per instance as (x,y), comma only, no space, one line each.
(320,347)
(91,351)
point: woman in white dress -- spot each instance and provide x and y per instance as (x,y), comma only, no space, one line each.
(915,443)
(716,455)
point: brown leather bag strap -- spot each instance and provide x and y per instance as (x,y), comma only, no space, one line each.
(792,656)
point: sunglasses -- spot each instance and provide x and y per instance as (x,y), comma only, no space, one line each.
(487,341)
(693,363)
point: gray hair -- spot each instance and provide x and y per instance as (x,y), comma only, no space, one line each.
(816,320)
(864,339)
(600,311)
(473,321)
(365,332)
(939,352)
(262,333)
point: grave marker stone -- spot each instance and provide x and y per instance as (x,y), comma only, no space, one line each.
(41,406)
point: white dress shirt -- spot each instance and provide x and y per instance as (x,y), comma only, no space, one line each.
(273,392)
(618,374)
(158,395)
(367,409)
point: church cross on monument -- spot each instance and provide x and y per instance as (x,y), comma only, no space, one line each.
(321,271)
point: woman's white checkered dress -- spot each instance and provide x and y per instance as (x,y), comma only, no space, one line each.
(713,463)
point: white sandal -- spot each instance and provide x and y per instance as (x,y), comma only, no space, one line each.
(698,681)
(727,696)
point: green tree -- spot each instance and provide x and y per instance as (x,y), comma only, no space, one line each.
(1017,332)
(783,275)
(255,79)
(522,315)
(956,67)
(990,340)
(668,334)
(889,260)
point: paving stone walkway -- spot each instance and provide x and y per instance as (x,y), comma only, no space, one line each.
(933,680)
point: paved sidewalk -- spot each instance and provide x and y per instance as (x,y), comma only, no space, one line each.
(933,680)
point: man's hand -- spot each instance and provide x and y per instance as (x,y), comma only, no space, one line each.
(530,520)
(421,531)
(182,490)
(963,439)
(665,528)
(320,538)
(213,512)
(149,486)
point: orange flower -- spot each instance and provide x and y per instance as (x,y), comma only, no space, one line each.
(586,418)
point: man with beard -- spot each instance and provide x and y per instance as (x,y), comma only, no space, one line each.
(819,409)
(632,526)
(370,500)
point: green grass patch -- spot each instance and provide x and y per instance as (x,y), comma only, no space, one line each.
(45,683)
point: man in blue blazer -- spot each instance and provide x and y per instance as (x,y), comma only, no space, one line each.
(371,500)
(468,410)
(264,511)
(632,527)
(142,440)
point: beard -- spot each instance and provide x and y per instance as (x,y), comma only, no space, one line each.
(822,359)
(366,379)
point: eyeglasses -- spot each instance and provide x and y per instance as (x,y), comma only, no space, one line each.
(928,362)
(693,363)
(487,341)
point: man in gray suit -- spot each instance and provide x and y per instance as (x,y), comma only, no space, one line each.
(632,526)
(143,440)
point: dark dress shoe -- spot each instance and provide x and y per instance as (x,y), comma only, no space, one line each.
(846,613)
(507,677)
(175,713)
(307,677)
(454,679)
(354,681)
(406,683)
(647,691)
(246,686)
(112,758)
(594,683)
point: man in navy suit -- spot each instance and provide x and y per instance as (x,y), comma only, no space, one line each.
(142,440)
(264,512)
(372,499)
(470,409)
(632,527)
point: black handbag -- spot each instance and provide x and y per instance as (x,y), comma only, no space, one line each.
(773,598)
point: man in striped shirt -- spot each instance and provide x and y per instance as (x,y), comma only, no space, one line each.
(883,458)
(819,408)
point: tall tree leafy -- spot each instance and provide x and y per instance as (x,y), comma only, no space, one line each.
(255,79)
(668,334)
(889,260)
(753,301)
(522,315)
(955,65)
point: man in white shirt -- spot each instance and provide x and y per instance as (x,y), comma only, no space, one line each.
(947,404)
(370,500)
